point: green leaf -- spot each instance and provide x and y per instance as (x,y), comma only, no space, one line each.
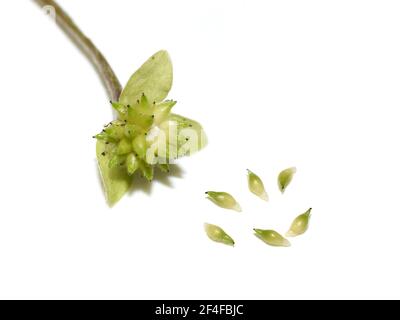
(153,78)
(116,181)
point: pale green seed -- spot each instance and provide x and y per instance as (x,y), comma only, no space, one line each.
(256,186)
(104,137)
(217,234)
(124,147)
(147,170)
(131,131)
(271,238)
(140,119)
(132,164)
(300,224)
(224,200)
(115,131)
(140,146)
(116,161)
(285,177)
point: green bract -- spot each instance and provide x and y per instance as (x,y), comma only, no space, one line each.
(145,134)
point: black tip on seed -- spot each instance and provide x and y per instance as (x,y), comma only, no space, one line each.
(206,192)
(103,154)
(152,116)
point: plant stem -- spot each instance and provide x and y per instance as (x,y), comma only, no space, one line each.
(107,75)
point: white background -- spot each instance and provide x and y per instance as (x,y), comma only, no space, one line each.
(311,84)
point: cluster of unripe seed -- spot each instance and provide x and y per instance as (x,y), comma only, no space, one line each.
(256,186)
(146,135)
(131,140)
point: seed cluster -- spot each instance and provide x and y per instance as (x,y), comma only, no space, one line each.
(146,135)
(130,140)
(256,186)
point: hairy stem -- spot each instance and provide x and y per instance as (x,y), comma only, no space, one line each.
(100,63)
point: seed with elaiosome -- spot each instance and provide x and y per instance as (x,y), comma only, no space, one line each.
(217,234)
(285,177)
(300,224)
(256,186)
(272,238)
(224,200)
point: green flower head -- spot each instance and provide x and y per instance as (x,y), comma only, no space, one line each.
(145,134)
